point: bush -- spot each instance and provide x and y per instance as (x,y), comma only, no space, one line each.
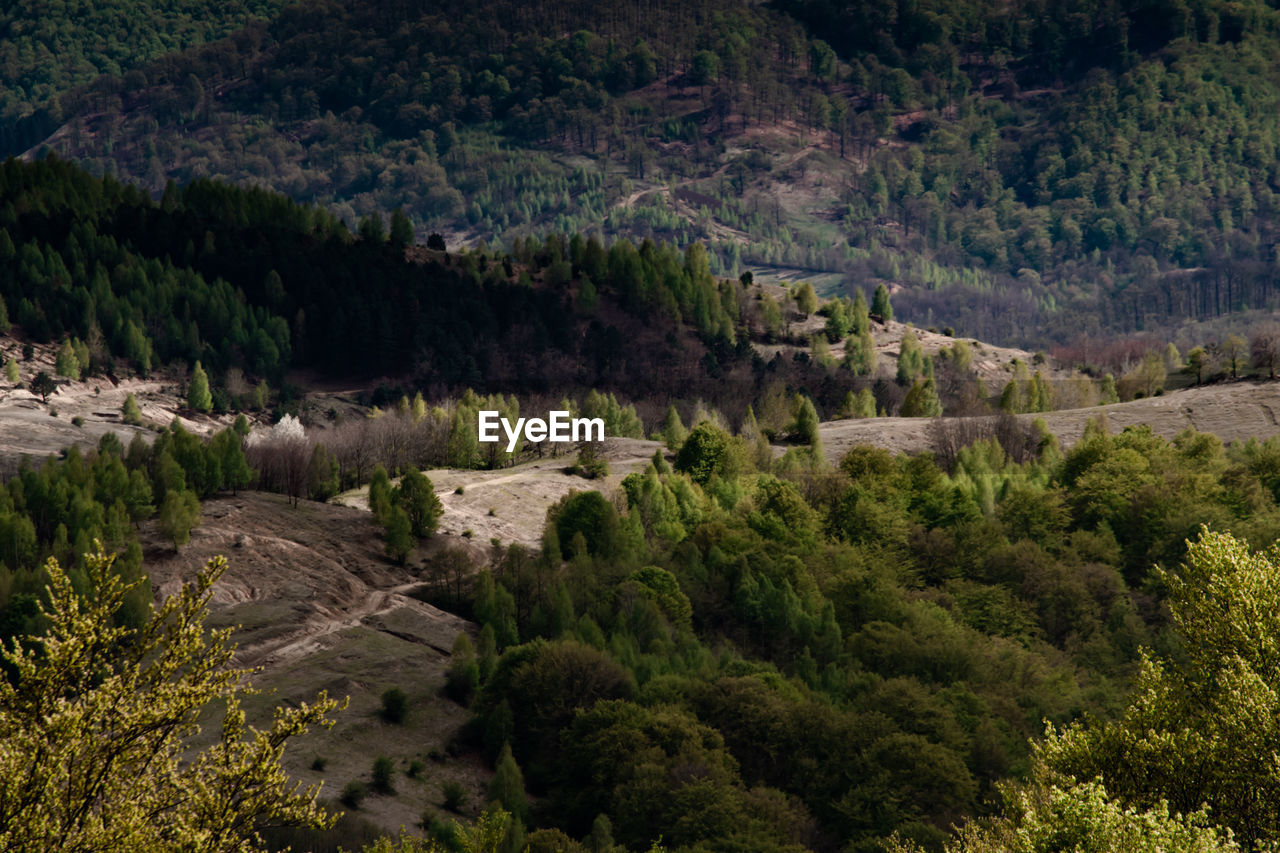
(395,705)
(77,421)
(415,769)
(352,795)
(383,772)
(454,796)
(319,763)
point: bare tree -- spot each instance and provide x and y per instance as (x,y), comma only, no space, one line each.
(1264,347)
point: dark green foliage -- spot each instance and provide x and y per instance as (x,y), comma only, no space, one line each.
(352,795)
(179,512)
(384,771)
(205,282)
(507,787)
(416,496)
(706,452)
(454,796)
(395,705)
(43,384)
(399,537)
(589,517)
(463,679)
(839,652)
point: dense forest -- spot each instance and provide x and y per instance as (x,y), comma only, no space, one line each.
(250,284)
(759,656)
(1028,172)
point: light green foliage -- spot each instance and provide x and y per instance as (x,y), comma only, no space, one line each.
(1201,728)
(97,723)
(66,363)
(11,370)
(380,494)
(910,358)
(1048,818)
(129,411)
(179,512)
(673,430)
(486,835)
(198,395)
(860,355)
(619,420)
(806,424)
(865,404)
(806,299)
(1108,394)
(770,315)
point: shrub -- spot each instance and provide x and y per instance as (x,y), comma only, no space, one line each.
(395,705)
(319,763)
(77,421)
(415,768)
(454,796)
(383,772)
(352,795)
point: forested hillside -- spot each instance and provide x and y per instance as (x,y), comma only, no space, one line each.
(1025,171)
(761,657)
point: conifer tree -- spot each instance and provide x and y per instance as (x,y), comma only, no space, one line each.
(880,304)
(866,404)
(673,429)
(507,787)
(401,229)
(198,394)
(399,535)
(11,371)
(67,364)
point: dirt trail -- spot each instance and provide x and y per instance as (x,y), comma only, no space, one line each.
(300,579)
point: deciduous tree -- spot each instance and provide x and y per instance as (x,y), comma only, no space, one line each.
(97,724)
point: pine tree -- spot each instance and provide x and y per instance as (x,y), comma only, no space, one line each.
(11,371)
(399,535)
(416,496)
(67,364)
(880,304)
(806,429)
(401,229)
(507,787)
(198,394)
(130,412)
(179,512)
(673,429)
(866,405)
(921,401)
